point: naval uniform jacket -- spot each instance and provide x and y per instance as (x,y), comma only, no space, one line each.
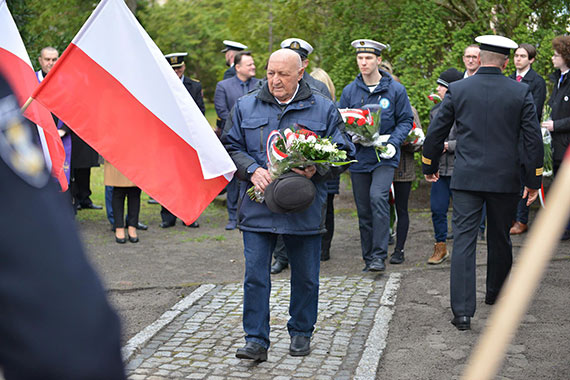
(560,103)
(491,111)
(253,117)
(231,72)
(537,87)
(396,117)
(195,90)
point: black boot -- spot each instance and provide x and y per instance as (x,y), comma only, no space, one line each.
(397,257)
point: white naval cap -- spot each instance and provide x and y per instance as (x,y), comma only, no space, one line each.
(302,47)
(368,46)
(232,45)
(176,59)
(497,44)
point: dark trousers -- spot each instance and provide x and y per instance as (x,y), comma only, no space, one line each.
(329,225)
(81,186)
(133,195)
(305,265)
(401,196)
(167,216)
(467,210)
(371,191)
(232,195)
(439,201)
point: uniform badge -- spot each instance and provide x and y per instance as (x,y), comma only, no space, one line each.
(384,103)
(566,98)
(17,148)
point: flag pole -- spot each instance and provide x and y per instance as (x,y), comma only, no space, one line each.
(26,105)
(518,291)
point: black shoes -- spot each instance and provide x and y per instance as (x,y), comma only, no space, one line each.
(89,207)
(166,225)
(232,225)
(133,239)
(278,267)
(120,241)
(252,351)
(377,266)
(366,268)
(462,323)
(300,345)
(193,225)
(325,255)
(397,257)
(141,226)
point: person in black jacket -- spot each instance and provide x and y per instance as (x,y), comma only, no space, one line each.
(524,58)
(559,102)
(55,320)
(487,168)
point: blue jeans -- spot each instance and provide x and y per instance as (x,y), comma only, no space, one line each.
(108,204)
(304,259)
(232,196)
(439,201)
(371,191)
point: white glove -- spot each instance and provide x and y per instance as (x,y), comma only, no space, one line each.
(389,153)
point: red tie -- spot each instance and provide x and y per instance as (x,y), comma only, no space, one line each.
(519,78)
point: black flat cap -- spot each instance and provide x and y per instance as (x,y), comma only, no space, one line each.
(290,193)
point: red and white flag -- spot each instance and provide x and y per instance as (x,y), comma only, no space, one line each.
(114,88)
(16,66)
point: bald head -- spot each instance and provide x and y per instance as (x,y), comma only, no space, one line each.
(284,71)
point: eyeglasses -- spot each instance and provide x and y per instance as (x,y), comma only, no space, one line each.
(470,56)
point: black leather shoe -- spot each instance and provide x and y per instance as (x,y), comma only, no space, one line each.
(141,226)
(193,225)
(166,225)
(462,323)
(397,257)
(366,268)
(300,345)
(89,207)
(133,239)
(278,267)
(391,239)
(120,241)
(232,225)
(377,265)
(252,351)
(325,256)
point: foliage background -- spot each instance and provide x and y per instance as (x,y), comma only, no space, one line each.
(425,36)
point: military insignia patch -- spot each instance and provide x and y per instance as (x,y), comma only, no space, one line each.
(362,43)
(295,45)
(384,103)
(17,148)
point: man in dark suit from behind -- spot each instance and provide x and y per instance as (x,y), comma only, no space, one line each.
(491,112)
(524,58)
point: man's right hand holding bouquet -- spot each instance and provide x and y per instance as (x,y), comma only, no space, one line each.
(363,125)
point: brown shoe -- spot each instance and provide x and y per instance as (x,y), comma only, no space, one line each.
(440,253)
(518,228)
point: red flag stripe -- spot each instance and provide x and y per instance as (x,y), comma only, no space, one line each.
(23,81)
(150,154)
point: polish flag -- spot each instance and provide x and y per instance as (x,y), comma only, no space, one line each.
(114,88)
(16,66)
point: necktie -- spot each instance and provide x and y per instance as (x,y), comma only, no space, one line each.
(561,79)
(244,88)
(519,78)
